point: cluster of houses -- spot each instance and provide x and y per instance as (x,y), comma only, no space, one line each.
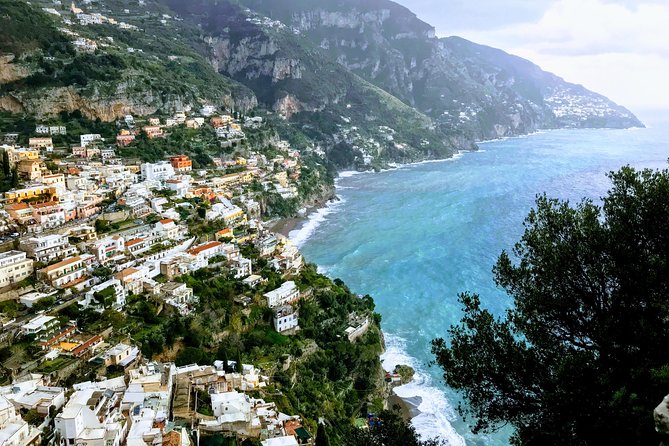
(91,229)
(150,403)
(228,129)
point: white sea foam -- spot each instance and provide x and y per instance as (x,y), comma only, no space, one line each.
(506,138)
(346,174)
(433,421)
(300,235)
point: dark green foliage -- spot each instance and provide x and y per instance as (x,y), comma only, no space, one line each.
(5,163)
(322,438)
(43,304)
(580,359)
(80,71)
(102,272)
(239,367)
(388,429)
(193,355)
(25,27)
(105,297)
(344,155)
(277,206)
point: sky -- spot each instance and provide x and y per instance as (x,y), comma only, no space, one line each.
(619,48)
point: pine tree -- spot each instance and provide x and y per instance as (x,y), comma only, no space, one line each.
(581,357)
(239,367)
(322,436)
(5,163)
(223,354)
(15,177)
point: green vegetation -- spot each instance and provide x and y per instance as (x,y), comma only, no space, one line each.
(26,28)
(388,429)
(581,357)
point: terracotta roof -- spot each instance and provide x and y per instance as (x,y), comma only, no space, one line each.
(17,206)
(166,221)
(122,275)
(172,439)
(86,345)
(134,241)
(225,231)
(59,336)
(202,248)
(45,205)
(62,264)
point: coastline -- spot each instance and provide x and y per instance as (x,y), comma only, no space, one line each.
(407,408)
(285,226)
(418,401)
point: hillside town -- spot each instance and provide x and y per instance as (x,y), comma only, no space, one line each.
(93,240)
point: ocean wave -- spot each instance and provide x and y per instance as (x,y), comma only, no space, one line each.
(300,235)
(435,412)
(347,173)
(507,138)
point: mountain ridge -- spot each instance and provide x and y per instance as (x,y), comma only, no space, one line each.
(367,82)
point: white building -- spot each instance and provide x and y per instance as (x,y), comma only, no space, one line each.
(13,430)
(157,172)
(32,395)
(117,295)
(67,272)
(179,296)
(287,440)
(285,318)
(89,138)
(285,294)
(206,251)
(231,407)
(180,186)
(91,418)
(208,110)
(242,267)
(120,355)
(167,229)
(14,267)
(109,248)
(58,130)
(41,326)
(48,248)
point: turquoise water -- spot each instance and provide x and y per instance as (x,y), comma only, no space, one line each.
(416,236)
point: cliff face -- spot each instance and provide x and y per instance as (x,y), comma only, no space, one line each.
(139,72)
(99,103)
(364,79)
(476,89)
(323,98)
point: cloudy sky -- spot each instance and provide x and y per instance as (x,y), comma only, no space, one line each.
(619,48)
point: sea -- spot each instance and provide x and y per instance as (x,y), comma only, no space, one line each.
(415,236)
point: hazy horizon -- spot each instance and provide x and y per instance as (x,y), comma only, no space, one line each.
(614,47)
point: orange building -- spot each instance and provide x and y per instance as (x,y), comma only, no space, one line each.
(153,131)
(181,163)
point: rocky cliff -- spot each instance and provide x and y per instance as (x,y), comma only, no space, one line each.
(364,79)
(136,71)
(482,91)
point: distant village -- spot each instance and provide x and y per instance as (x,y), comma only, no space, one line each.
(89,229)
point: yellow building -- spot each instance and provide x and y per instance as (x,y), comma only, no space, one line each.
(16,155)
(30,169)
(47,193)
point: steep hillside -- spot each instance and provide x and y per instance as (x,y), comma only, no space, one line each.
(356,120)
(366,81)
(480,90)
(105,66)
